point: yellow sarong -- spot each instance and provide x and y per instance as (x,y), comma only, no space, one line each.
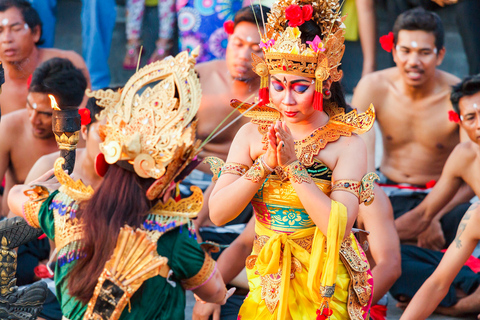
(284,278)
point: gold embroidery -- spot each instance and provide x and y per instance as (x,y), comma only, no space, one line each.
(67,230)
(359,291)
(238,169)
(297,173)
(271,289)
(251,260)
(257,172)
(259,242)
(208,268)
(305,243)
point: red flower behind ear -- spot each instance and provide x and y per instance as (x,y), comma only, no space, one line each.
(228,26)
(387,42)
(453,116)
(85,116)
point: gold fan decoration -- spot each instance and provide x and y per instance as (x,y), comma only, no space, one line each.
(134,260)
(151,119)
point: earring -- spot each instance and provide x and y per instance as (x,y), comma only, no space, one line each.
(327,94)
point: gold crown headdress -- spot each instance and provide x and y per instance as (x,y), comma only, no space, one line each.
(149,123)
(285,53)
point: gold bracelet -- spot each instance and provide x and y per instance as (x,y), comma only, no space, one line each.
(258,171)
(238,169)
(297,172)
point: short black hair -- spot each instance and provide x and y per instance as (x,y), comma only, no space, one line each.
(421,19)
(468,87)
(62,79)
(252,14)
(30,15)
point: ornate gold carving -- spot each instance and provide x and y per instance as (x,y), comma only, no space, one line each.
(74,189)
(187,207)
(148,125)
(216,165)
(8,268)
(205,273)
(67,140)
(356,123)
(134,260)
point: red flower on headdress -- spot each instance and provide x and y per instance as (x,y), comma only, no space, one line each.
(387,41)
(453,116)
(228,26)
(297,15)
(85,116)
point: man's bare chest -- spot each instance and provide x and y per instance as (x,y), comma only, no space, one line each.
(25,153)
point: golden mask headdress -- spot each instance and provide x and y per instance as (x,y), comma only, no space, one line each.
(285,53)
(149,124)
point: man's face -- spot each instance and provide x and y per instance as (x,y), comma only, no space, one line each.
(416,56)
(470,116)
(40,115)
(17,40)
(241,44)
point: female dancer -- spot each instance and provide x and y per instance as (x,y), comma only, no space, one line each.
(294,162)
(103,263)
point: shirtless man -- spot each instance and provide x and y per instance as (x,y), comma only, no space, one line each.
(221,81)
(26,135)
(20,31)
(412,103)
(463,165)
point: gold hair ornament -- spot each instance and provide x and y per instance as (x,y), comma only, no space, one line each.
(150,122)
(285,53)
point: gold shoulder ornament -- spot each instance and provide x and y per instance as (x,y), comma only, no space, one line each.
(74,189)
(172,214)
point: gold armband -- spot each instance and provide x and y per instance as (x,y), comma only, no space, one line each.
(297,172)
(258,171)
(363,189)
(203,276)
(238,169)
(37,196)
